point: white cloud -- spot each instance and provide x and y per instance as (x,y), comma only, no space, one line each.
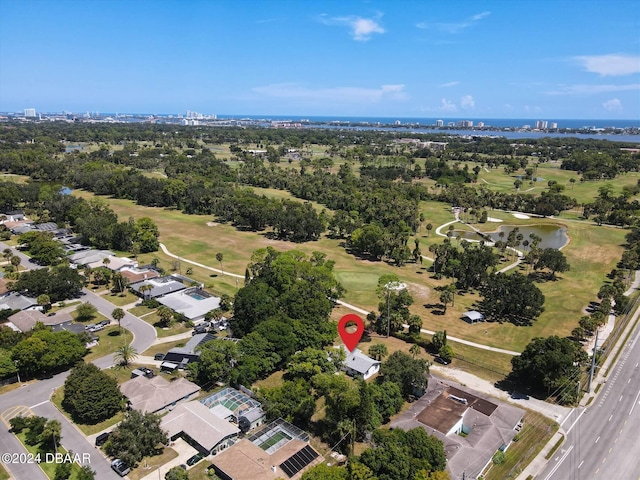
(332,94)
(613,105)
(592,89)
(361,28)
(610,65)
(449,84)
(447,106)
(467,102)
(454,27)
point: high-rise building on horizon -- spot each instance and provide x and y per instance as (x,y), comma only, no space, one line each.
(541,124)
(439,123)
(30,112)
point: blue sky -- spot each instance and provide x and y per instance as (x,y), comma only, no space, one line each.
(548,59)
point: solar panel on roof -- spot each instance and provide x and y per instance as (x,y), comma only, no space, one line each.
(298,461)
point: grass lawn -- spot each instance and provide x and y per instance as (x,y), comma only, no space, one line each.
(110,340)
(151,464)
(535,433)
(592,252)
(4,475)
(49,468)
(97,317)
(141,310)
(120,299)
(87,429)
(272,381)
(175,328)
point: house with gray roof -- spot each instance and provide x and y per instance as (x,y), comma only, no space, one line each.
(90,256)
(159,287)
(193,303)
(359,365)
(151,395)
(180,357)
(17,301)
(207,432)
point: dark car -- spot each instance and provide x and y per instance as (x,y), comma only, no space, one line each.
(195,459)
(441,361)
(199,329)
(102,439)
(120,467)
(158,356)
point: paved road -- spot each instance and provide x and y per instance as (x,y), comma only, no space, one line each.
(603,441)
(36,397)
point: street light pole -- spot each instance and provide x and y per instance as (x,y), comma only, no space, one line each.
(17,371)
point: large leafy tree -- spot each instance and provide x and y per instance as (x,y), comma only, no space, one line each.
(217,360)
(46,351)
(402,455)
(553,260)
(137,436)
(90,395)
(547,363)
(59,283)
(292,401)
(409,373)
(290,288)
(511,298)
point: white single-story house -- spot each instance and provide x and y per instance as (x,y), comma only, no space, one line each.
(359,365)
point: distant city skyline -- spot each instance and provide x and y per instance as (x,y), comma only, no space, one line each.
(544,60)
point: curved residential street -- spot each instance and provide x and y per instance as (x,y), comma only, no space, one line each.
(34,397)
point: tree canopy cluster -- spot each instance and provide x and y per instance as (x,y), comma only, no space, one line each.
(91,395)
(46,351)
(59,283)
(395,455)
(549,367)
(511,298)
(138,435)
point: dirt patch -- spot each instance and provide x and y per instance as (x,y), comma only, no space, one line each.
(419,291)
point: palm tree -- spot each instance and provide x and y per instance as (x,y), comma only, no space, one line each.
(45,301)
(415,350)
(219,257)
(125,354)
(378,351)
(429,228)
(118,315)
(165,314)
(144,289)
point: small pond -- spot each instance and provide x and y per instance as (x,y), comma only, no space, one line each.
(553,236)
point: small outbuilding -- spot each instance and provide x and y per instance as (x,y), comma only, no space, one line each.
(472,316)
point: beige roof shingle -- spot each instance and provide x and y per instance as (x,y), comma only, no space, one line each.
(152,395)
(196,421)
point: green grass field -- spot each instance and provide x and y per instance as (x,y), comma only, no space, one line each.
(592,252)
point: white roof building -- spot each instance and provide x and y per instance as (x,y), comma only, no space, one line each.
(359,365)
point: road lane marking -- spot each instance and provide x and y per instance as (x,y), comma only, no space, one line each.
(610,417)
(620,399)
(610,449)
(573,424)
(604,459)
(580,464)
(38,404)
(553,470)
(616,440)
(597,439)
(634,404)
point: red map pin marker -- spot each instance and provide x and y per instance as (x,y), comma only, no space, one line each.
(351,339)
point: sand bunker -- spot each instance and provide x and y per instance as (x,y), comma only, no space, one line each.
(522,216)
(491,219)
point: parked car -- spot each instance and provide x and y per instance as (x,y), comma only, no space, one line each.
(90,326)
(120,467)
(102,439)
(199,329)
(158,356)
(104,323)
(195,459)
(441,360)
